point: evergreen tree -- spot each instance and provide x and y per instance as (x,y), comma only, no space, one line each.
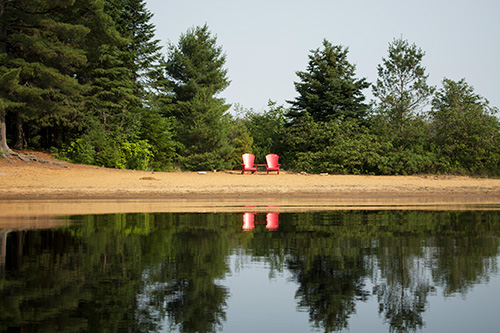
(402,84)
(110,116)
(141,52)
(195,70)
(328,89)
(39,53)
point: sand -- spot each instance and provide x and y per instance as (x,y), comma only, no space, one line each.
(46,189)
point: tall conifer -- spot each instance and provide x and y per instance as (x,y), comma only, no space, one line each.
(39,54)
(328,89)
(402,83)
(141,53)
(195,69)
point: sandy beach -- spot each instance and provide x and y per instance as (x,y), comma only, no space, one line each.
(37,188)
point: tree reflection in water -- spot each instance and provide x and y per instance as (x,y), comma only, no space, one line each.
(141,272)
(400,252)
(329,288)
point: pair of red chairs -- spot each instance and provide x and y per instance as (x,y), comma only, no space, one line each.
(271,160)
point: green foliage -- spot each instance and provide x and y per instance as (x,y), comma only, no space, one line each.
(333,147)
(9,79)
(203,133)
(241,142)
(401,85)
(39,53)
(195,64)
(195,70)
(350,147)
(136,155)
(267,130)
(141,51)
(87,79)
(158,131)
(407,149)
(79,151)
(97,147)
(202,161)
(328,89)
(467,132)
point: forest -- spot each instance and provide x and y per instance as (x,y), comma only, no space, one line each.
(88,81)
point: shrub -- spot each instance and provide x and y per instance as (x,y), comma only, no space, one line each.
(136,155)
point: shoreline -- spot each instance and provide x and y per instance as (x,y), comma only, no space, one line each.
(42,189)
(40,208)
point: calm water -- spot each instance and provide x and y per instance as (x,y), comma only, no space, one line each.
(357,271)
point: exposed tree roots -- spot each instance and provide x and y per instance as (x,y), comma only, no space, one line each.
(29,157)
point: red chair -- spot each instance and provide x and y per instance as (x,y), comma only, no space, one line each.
(247,165)
(272,163)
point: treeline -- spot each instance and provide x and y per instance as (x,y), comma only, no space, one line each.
(88,80)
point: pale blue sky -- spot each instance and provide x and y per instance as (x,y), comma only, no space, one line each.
(266,42)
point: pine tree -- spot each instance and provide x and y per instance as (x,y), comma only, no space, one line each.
(196,74)
(109,116)
(141,53)
(402,84)
(328,89)
(39,52)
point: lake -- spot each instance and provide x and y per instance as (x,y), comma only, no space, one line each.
(254,271)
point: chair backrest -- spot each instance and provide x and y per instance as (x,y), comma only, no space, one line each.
(248,159)
(272,160)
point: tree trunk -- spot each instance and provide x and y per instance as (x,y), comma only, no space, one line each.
(3,252)
(4,148)
(19,141)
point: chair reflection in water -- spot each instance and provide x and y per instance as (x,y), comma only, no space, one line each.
(248,221)
(272,221)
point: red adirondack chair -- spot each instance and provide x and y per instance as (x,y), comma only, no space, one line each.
(272,163)
(247,164)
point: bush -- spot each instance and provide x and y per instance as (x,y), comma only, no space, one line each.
(127,155)
(79,151)
(204,161)
(136,155)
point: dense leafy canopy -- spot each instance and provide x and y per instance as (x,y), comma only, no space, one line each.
(88,80)
(467,132)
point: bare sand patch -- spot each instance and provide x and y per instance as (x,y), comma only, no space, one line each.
(37,188)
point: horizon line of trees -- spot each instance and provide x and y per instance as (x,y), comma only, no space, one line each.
(88,80)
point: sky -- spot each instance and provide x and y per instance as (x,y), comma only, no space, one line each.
(267,41)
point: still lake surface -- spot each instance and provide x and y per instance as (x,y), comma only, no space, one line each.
(346,270)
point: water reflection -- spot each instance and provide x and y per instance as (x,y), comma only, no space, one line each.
(272,221)
(155,272)
(248,221)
